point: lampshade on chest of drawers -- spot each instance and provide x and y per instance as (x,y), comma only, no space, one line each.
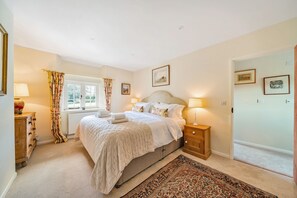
(25,137)
(197,140)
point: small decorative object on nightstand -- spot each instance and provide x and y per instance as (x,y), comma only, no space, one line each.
(197,140)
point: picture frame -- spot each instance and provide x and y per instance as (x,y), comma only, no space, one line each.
(3,60)
(126,89)
(276,85)
(245,77)
(161,76)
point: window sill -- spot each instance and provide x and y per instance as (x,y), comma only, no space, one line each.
(80,110)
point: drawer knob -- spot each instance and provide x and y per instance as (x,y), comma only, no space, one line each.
(186,142)
(30,145)
(29,122)
(193,132)
(30,133)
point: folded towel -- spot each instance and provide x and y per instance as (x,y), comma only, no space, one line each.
(118,116)
(103,113)
(113,121)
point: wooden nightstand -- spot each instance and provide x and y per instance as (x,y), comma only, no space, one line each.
(197,140)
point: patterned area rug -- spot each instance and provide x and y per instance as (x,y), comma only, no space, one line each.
(184,177)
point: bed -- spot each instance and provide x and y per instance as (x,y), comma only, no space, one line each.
(120,151)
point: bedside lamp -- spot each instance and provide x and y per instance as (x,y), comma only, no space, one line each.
(195,103)
(20,90)
(134,101)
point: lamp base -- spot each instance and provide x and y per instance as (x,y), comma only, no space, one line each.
(195,123)
(18,106)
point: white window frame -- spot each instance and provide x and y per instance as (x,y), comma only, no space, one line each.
(82,84)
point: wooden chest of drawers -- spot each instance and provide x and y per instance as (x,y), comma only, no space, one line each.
(25,137)
(197,140)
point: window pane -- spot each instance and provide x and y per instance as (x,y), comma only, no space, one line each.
(90,98)
(73,96)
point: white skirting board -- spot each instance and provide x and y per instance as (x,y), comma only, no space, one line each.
(264,147)
(44,142)
(220,154)
(8,185)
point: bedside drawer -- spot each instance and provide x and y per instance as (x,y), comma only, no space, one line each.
(193,144)
(30,137)
(194,133)
(29,124)
(30,147)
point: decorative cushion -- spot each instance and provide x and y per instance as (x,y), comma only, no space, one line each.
(138,109)
(159,111)
(174,110)
(146,106)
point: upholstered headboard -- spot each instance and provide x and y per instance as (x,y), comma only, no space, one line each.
(165,97)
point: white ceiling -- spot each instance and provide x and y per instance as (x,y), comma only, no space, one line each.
(134,34)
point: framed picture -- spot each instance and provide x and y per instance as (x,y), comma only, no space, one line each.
(276,85)
(245,77)
(3,60)
(126,88)
(161,76)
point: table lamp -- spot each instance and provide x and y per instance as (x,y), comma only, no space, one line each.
(20,90)
(134,101)
(195,103)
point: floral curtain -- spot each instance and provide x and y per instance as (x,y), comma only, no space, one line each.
(56,82)
(108,92)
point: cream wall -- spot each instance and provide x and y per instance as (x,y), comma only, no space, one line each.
(7,157)
(265,120)
(208,73)
(28,69)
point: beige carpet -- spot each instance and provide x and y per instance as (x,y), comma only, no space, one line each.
(270,160)
(63,170)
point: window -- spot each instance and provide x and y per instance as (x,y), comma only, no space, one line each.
(81,94)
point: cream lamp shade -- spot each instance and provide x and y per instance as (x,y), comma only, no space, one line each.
(20,90)
(195,103)
(134,100)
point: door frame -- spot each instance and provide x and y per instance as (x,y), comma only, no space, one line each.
(295,117)
(232,63)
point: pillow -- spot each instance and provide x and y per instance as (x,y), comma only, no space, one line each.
(159,111)
(174,110)
(138,108)
(145,105)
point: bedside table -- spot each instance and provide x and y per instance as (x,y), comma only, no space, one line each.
(197,140)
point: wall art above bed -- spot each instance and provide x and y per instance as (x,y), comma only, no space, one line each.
(161,76)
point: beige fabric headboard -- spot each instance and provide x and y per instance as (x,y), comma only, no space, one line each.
(165,97)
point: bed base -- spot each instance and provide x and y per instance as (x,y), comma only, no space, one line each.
(141,163)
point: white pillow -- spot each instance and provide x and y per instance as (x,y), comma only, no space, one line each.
(146,106)
(177,111)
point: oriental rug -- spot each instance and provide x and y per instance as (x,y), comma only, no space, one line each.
(184,177)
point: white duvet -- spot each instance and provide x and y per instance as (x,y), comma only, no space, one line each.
(113,146)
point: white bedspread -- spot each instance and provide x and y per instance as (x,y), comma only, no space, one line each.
(164,130)
(113,146)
